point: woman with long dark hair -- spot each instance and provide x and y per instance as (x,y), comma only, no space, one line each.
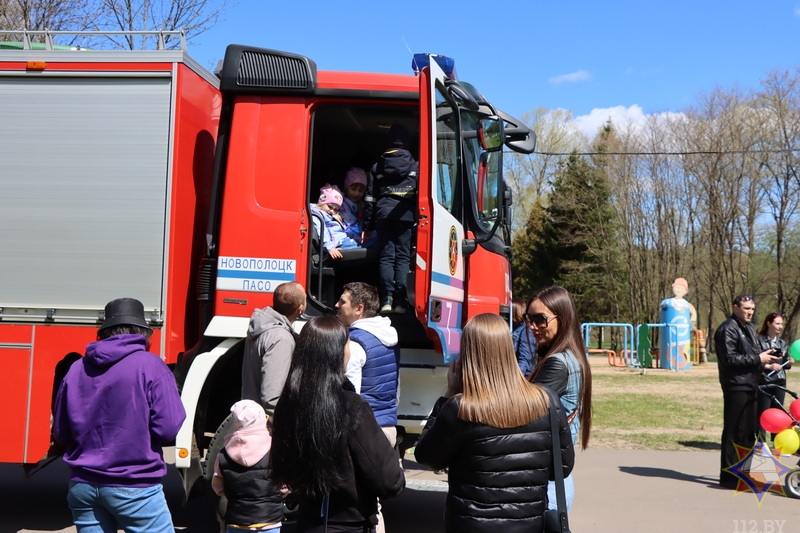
(773,375)
(563,366)
(326,445)
(492,431)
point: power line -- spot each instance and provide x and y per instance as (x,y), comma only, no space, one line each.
(697,152)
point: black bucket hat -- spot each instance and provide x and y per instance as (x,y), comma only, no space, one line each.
(124,312)
(399,136)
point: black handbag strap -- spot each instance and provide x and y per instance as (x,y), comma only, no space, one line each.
(561,498)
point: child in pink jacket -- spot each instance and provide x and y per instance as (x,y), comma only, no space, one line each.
(242,473)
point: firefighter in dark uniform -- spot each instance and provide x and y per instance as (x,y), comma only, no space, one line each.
(390,208)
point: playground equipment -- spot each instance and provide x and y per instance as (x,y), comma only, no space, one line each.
(668,359)
(675,347)
(699,353)
(636,346)
(628,347)
(675,350)
(643,352)
(614,359)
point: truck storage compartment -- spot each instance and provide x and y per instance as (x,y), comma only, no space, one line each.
(84,181)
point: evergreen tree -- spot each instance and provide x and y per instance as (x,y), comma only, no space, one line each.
(571,242)
(532,265)
(573,219)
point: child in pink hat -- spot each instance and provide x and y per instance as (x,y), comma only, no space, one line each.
(333,231)
(242,473)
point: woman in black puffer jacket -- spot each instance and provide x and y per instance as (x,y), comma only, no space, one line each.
(492,430)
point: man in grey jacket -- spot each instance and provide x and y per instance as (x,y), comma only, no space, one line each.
(269,346)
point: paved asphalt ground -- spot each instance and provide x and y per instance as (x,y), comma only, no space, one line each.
(616,492)
(633,492)
(665,492)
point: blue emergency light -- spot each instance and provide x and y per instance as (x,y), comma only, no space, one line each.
(447,64)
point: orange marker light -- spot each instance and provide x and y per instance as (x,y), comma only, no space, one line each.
(183,453)
(36,65)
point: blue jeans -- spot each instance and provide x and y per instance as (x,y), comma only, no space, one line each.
(569,493)
(101,509)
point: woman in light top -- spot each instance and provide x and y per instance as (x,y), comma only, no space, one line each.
(562,366)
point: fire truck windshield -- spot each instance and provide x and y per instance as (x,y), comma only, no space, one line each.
(484,174)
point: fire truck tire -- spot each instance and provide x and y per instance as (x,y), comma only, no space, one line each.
(215,445)
(791,483)
(399,443)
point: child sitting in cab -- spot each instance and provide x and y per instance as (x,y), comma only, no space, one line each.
(335,237)
(355,186)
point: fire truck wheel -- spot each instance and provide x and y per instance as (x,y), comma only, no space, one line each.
(215,445)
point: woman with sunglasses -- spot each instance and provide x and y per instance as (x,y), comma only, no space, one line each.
(563,365)
(773,374)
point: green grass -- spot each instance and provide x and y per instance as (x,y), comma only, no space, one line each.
(660,410)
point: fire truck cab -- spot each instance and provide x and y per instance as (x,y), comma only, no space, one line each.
(286,129)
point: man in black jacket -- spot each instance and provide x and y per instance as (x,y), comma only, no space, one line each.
(739,363)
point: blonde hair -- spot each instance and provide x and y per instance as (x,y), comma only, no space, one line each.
(494,391)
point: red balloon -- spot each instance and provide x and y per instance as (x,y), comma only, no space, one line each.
(794,408)
(775,420)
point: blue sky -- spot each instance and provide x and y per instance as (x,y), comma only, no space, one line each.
(613,57)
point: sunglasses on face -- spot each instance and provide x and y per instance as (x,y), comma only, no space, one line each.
(538,319)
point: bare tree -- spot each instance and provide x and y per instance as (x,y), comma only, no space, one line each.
(633,206)
(652,214)
(778,104)
(529,176)
(42,15)
(192,16)
(724,177)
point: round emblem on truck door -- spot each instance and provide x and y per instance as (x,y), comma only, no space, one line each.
(453,247)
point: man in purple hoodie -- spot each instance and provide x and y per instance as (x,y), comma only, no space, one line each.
(116,408)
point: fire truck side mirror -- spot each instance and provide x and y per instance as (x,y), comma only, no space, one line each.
(518,137)
(491,133)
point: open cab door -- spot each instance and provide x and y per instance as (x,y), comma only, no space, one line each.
(460,198)
(439,273)
(463,262)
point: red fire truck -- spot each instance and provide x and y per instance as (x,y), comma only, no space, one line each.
(140,174)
